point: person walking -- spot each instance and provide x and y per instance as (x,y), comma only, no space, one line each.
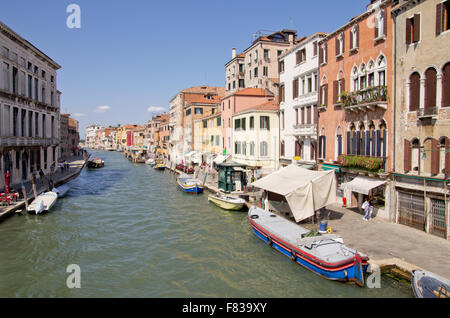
(366,207)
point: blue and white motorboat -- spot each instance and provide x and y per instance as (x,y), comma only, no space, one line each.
(189,184)
(61,191)
(325,255)
(429,285)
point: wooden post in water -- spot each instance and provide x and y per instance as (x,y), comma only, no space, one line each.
(24,191)
(33,183)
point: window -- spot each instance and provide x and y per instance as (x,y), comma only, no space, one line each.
(371,79)
(442,18)
(413,29)
(279,52)
(241,83)
(218,121)
(315,48)
(188,112)
(263,149)
(354,38)
(237,124)
(243,122)
(446,85)
(323,54)
(300,56)
(218,140)
(430,88)
(322,147)
(265,71)
(295,88)
(30,66)
(241,68)
(281,93)
(264,122)
(255,72)
(36,87)
(266,55)
(324,95)
(252,122)
(252,148)
(234,84)
(282,151)
(380,25)
(363,82)
(340,45)
(281,66)
(6,76)
(309,84)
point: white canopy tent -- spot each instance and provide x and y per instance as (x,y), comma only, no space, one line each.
(363,184)
(306,191)
(221,159)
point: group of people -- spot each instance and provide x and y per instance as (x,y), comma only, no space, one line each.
(368,209)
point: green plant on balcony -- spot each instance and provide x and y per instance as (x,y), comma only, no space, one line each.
(372,164)
(364,96)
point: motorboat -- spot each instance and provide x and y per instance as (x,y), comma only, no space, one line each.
(159,166)
(189,184)
(43,203)
(150,161)
(325,255)
(95,163)
(429,285)
(61,191)
(227,202)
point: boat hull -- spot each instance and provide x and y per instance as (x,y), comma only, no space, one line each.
(226,205)
(428,285)
(48,199)
(190,188)
(349,272)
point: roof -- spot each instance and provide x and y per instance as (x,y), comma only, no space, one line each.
(253,92)
(301,42)
(205,89)
(269,106)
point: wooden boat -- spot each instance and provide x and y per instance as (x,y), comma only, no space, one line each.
(189,184)
(61,191)
(227,202)
(43,203)
(159,166)
(429,285)
(325,255)
(95,163)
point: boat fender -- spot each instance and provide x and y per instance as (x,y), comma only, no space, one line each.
(254,217)
(269,240)
(293,256)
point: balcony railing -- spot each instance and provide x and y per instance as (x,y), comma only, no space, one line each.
(367,98)
(305,129)
(363,163)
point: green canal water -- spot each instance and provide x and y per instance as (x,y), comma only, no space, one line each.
(135,234)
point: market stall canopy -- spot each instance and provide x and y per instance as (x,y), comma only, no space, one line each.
(221,158)
(306,191)
(363,184)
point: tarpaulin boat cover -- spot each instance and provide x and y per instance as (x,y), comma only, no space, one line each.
(363,184)
(305,190)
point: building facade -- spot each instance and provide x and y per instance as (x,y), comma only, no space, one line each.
(29,109)
(299,101)
(420,194)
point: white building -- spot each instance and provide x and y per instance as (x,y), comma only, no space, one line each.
(91,135)
(298,102)
(29,109)
(256,138)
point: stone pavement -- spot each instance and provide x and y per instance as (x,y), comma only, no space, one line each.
(389,243)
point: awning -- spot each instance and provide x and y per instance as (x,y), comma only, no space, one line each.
(326,167)
(189,154)
(221,159)
(363,184)
(306,191)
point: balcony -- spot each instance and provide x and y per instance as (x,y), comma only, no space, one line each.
(367,164)
(366,99)
(427,113)
(305,130)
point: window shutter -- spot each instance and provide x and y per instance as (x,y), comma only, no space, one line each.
(416,27)
(430,88)
(446,86)
(363,143)
(326,54)
(434,156)
(439,19)
(320,146)
(358,142)
(348,143)
(407,155)
(357,35)
(384,143)
(408,31)
(308,115)
(315,115)
(385,16)
(343,42)
(374,143)
(326,95)
(378,143)
(414,92)
(447,156)
(368,143)
(335,91)
(351,39)
(315,48)
(354,143)
(337,46)
(320,55)
(377,27)
(303,116)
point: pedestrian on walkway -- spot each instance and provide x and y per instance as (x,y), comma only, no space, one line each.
(366,207)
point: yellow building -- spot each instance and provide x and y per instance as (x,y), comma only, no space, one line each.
(208,136)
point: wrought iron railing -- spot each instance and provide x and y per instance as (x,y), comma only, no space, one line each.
(364,96)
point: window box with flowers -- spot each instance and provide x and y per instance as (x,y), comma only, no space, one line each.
(364,163)
(370,97)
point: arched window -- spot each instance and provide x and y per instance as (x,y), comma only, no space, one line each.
(446,85)
(430,88)
(383,139)
(415,154)
(444,157)
(414,92)
(372,140)
(351,140)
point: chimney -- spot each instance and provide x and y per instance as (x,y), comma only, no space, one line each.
(233,53)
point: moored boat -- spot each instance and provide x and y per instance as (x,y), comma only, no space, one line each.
(150,161)
(227,202)
(95,163)
(189,184)
(325,255)
(61,191)
(43,203)
(429,285)
(159,166)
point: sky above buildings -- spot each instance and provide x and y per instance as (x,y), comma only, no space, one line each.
(129,58)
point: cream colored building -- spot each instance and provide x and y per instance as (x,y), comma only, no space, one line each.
(208,136)
(420,194)
(256,138)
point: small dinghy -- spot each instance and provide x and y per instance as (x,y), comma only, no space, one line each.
(189,184)
(227,202)
(429,285)
(43,203)
(61,191)
(325,255)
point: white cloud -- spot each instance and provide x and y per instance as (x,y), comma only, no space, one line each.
(79,115)
(102,109)
(155,109)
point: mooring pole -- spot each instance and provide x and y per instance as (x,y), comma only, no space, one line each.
(24,191)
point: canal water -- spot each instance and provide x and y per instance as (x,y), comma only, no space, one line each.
(135,234)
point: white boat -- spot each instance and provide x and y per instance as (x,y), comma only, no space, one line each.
(227,202)
(43,203)
(61,191)
(150,161)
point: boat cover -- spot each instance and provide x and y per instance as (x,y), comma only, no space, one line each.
(306,191)
(363,184)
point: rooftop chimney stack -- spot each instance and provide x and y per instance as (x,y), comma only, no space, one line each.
(233,53)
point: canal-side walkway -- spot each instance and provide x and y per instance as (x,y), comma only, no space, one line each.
(396,248)
(76,164)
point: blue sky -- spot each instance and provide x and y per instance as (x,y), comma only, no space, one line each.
(132,55)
